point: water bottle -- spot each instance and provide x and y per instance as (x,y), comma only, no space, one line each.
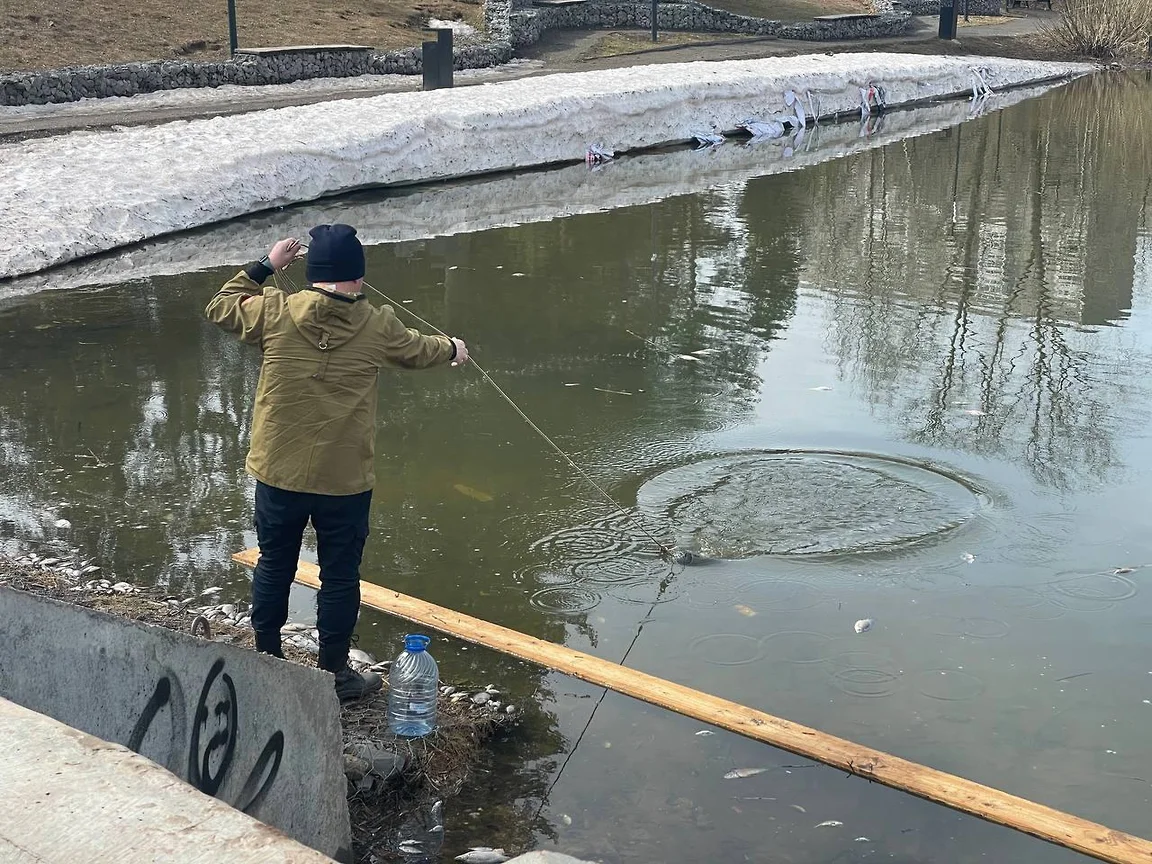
(413,688)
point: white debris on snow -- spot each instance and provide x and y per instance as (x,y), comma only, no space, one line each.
(460,29)
(79,194)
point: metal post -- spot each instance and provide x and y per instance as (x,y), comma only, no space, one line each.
(947,19)
(965,11)
(444,47)
(655,9)
(232,42)
(430,64)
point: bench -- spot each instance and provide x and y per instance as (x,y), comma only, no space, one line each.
(559,2)
(850,16)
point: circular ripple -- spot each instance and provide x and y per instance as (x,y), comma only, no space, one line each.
(647,592)
(1106,588)
(808,503)
(796,646)
(727,649)
(592,542)
(862,673)
(545,576)
(949,685)
(973,628)
(784,595)
(622,568)
(569,600)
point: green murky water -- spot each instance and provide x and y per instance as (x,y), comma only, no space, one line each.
(920,395)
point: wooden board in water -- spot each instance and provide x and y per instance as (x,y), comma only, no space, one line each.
(987,803)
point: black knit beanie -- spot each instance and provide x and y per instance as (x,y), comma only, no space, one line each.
(334,255)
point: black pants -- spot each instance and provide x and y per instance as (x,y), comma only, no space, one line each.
(341,523)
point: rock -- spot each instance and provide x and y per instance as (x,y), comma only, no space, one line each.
(63,524)
(355,767)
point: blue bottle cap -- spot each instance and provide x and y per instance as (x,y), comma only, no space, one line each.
(414,642)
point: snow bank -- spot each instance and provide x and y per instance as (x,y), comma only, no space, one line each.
(505,199)
(80,194)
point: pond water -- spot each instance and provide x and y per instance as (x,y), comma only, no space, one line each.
(911,384)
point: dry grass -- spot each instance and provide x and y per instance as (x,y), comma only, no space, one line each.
(51,34)
(1103,29)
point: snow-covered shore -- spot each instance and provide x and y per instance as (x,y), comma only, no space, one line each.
(505,199)
(77,195)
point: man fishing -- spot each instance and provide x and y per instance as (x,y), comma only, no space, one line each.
(314,428)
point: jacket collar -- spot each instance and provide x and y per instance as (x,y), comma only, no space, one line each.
(336,295)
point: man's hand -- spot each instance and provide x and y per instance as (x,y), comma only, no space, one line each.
(284,253)
(461,352)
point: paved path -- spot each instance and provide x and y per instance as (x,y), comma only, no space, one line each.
(558,51)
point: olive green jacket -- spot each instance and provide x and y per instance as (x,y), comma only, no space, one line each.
(314,423)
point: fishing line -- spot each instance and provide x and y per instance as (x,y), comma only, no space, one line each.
(665,551)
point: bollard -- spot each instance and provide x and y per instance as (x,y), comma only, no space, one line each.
(444,46)
(430,63)
(436,59)
(948,14)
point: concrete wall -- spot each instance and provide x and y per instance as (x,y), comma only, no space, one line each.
(68,797)
(259,734)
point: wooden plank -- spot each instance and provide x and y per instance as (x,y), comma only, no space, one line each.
(952,791)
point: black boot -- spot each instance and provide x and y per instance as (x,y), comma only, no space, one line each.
(269,643)
(350,684)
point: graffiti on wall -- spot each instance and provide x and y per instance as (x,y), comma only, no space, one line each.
(211,736)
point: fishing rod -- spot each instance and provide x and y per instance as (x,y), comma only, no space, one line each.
(666,552)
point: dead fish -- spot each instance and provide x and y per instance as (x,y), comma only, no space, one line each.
(411,846)
(483,855)
(481,697)
(359,656)
(437,809)
(820,389)
(704,732)
(746,611)
(688,357)
(830,823)
(863,625)
(215,589)
(798,807)
(704,352)
(976,412)
(741,773)
(471,493)
(968,557)
(1120,570)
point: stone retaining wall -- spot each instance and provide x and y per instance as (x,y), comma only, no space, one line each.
(528,25)
(509,27)
(932,7)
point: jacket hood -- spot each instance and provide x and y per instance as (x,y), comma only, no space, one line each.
(326,321)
